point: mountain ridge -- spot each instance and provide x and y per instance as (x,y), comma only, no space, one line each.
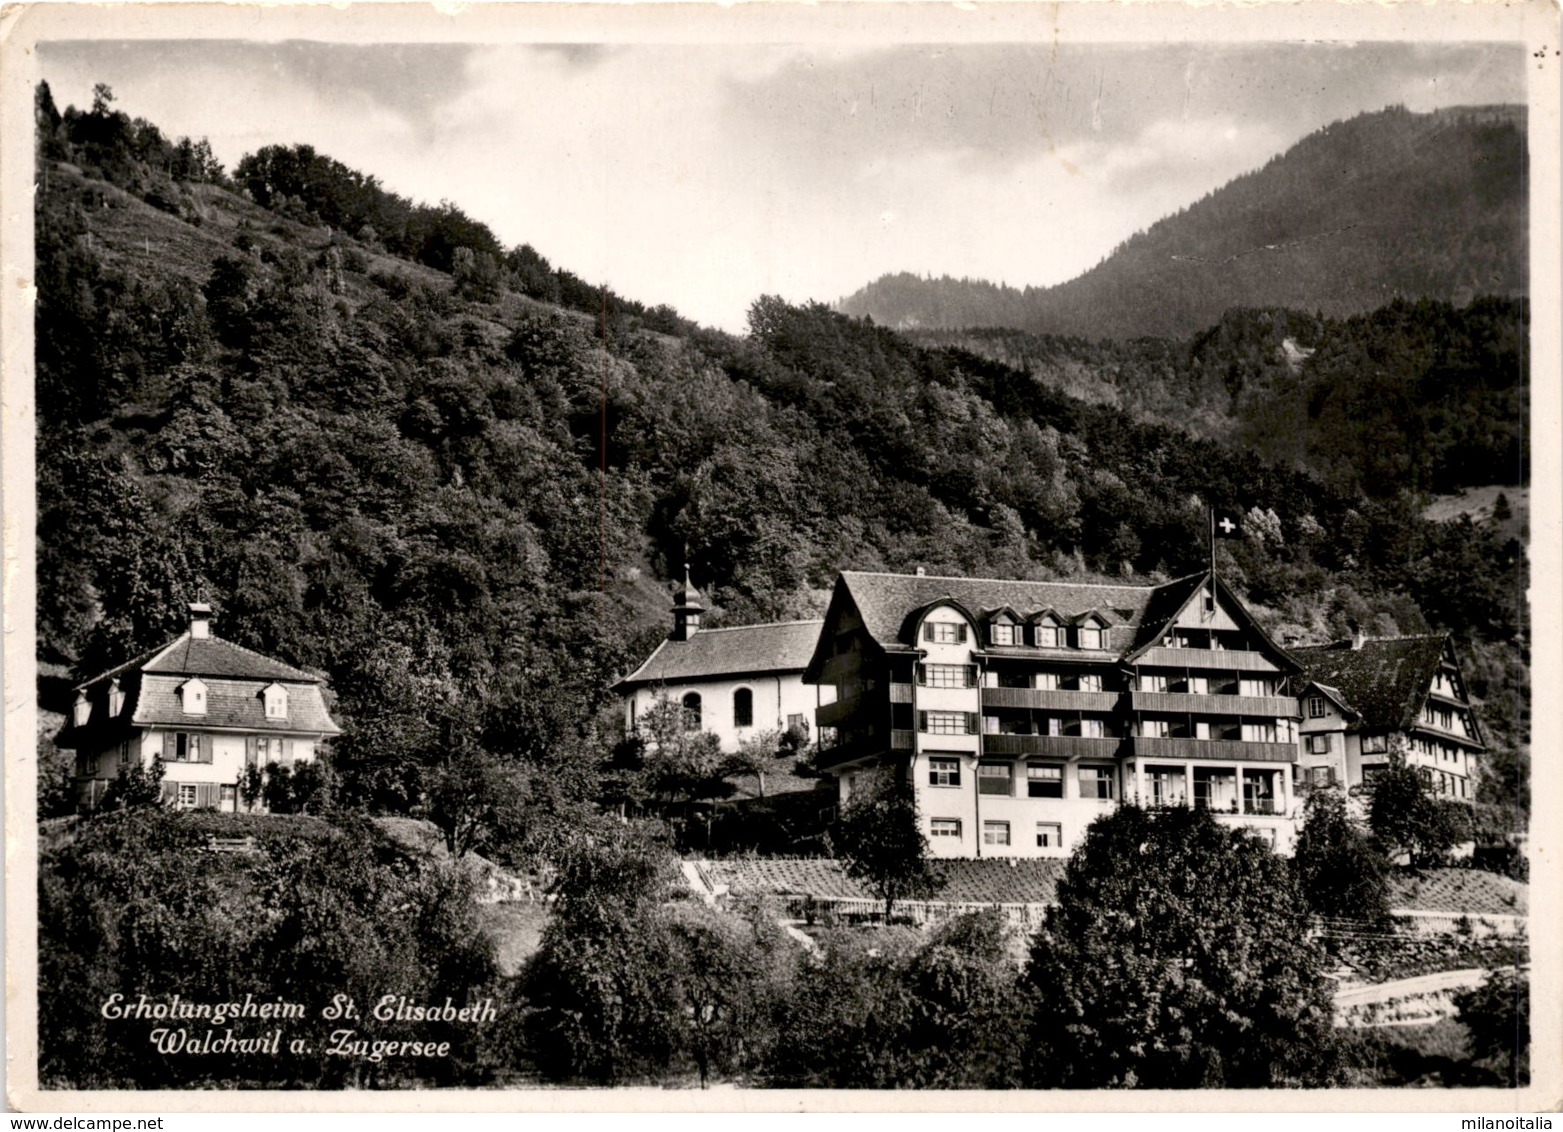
(1386,205)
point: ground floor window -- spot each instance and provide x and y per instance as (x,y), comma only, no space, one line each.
(1096,782)
(1044,781)
(1215,789)
(995,833)
(1166,786)
(994,778)
(228,794)
(1260,795)
(946,827)
(1050,835)
(187,796)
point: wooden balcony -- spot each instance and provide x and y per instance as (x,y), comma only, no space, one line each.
(1179,703)
(1052,746)
(1199,660)
(902,740)
(1210,750)
(832,715)
(1050,699)
(900,693)
(1456,735)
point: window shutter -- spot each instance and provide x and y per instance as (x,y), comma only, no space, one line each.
(206,742)
(169,739)
(206,795)
(927,630)
(251,755)
(972,723)
(971,675)
(287,752)
(922,674)
(960,632)
(922,721)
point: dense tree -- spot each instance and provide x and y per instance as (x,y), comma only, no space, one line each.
(1408,819)
(1497,1017)
(600,1002)
(131,904)
(1341,871)
(1176,958)
(878,838)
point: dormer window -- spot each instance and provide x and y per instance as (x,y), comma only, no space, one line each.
(1001,633)
(1045,632)
(116,699)
(82,710)
(945,632)
(192,697)
(276,700)
(1092,634)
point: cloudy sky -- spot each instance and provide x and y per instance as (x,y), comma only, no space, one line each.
(705,176)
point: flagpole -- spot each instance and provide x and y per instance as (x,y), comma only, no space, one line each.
(1210,602)
(1211,514)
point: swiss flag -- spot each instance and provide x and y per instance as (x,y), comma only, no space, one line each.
(1226,524)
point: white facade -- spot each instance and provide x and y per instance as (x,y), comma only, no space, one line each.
(776,702)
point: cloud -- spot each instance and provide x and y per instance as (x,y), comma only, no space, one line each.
(706,175)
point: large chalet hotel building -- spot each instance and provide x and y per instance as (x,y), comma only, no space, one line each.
(1023,710)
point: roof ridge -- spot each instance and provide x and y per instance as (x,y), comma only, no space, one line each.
(1010,581)
(263,656)
(1374,640)
(757,625)
(137,661)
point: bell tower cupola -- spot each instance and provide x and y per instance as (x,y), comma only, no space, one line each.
(686,609)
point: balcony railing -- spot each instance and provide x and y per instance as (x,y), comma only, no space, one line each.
(831,715)
(1050,699)
(900,693)
(902,740)
(1054,746)
(1205,750)
(1180,702)
(1221,660)
(1453,731)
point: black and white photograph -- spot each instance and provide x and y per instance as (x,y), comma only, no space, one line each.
(726,555)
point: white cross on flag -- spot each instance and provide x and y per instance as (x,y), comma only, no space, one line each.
(1228,524)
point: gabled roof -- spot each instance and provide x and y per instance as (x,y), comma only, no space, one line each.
(1136,616)
(1385,680)
(884,600)
(211,656)
(1336,697)
(744,650)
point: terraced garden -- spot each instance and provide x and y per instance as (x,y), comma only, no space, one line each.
(1471,891)
(985,882)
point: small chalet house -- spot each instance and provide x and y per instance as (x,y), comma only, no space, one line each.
(1365,697)
(733,683)
(1023,710)
(210,708)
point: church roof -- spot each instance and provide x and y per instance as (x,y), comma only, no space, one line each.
(783,646)
(1385,680)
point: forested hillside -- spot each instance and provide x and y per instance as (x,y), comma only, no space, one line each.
(459,501)
(1386,205)
(1420,395)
